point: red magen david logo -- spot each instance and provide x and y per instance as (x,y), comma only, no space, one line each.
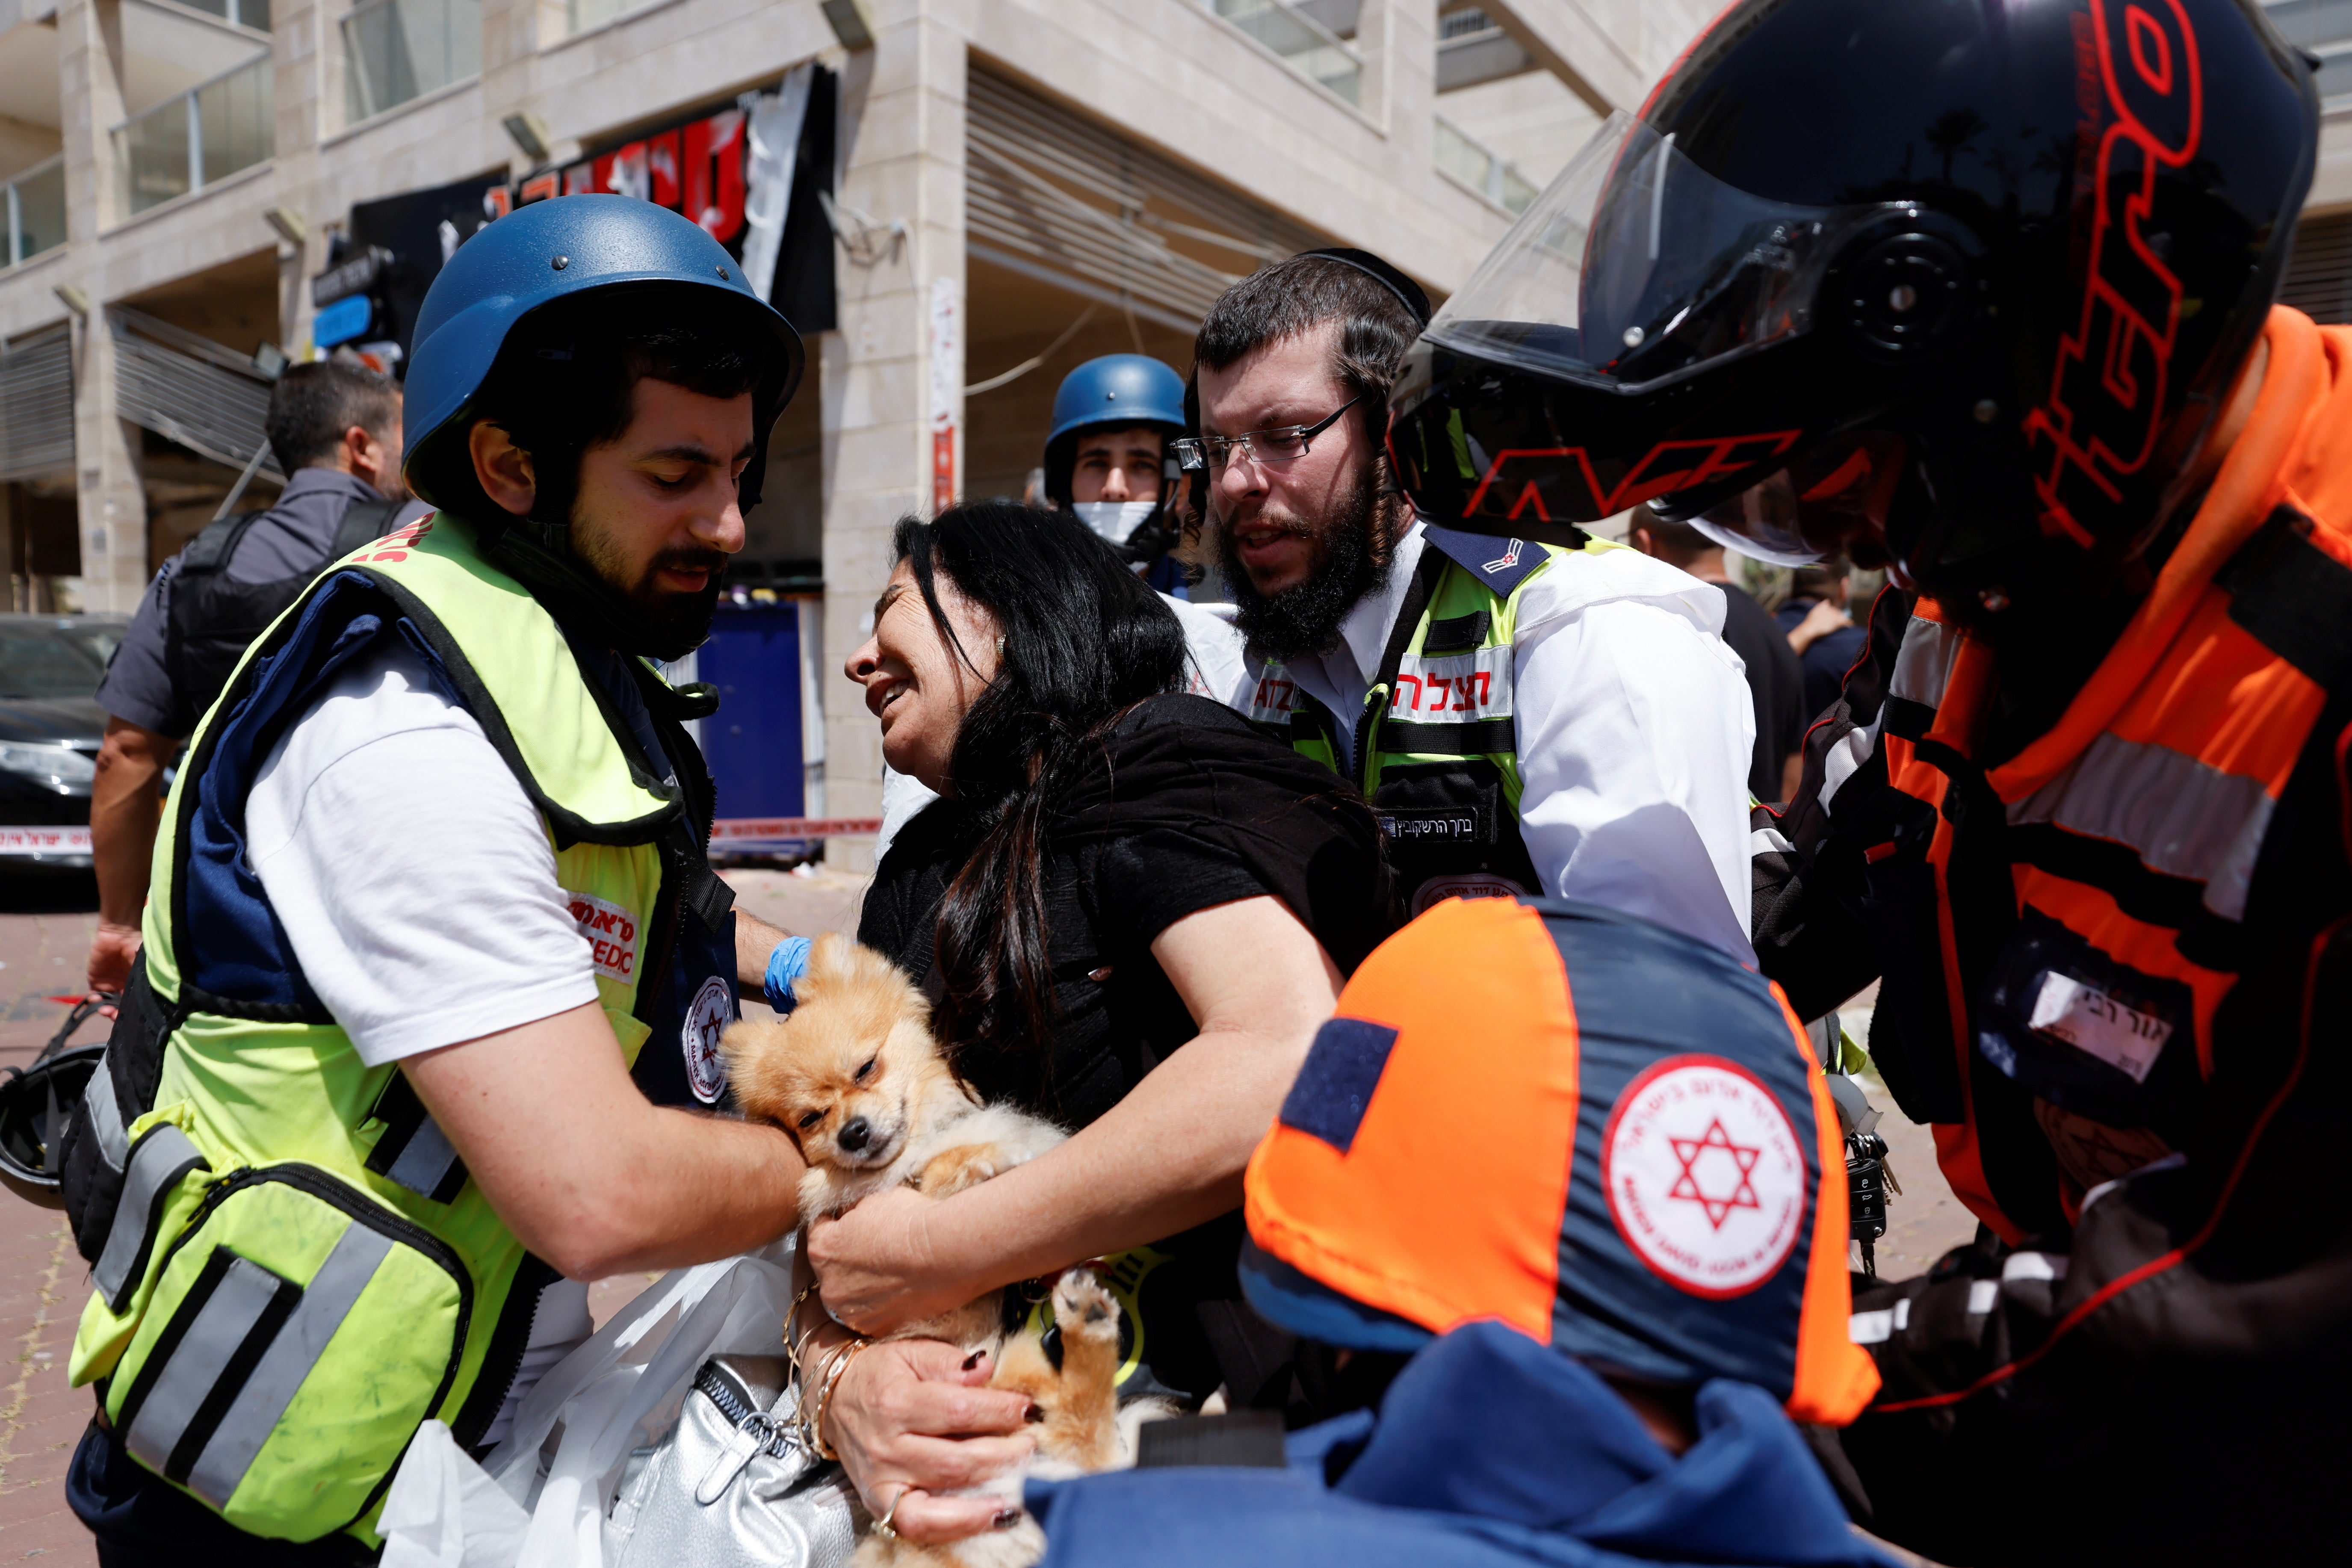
(1706,1176)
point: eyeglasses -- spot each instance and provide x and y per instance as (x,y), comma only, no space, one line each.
(1284,445)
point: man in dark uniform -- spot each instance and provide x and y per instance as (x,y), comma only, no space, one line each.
(1819,618)
(335,431)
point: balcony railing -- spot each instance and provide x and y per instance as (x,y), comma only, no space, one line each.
(1493,177)
(1310,47)
(197,139)
(398,50)
(35,217)
(253,14)
(2324,29)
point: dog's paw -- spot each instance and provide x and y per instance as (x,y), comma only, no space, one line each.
(950,1170)
(1084,1308)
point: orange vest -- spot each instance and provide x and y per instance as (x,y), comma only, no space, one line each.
(2090,896)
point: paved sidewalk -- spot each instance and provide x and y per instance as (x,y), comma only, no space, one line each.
(44,930)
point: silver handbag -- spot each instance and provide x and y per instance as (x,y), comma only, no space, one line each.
(731,1486)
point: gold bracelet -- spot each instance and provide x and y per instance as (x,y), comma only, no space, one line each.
(811,1390)
(829,1375)
(824,1402)
(793,1339)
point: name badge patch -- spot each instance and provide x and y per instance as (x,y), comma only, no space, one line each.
(1459,688)
(1437,823)
(611,933)
(1276,698)
(2092,1021)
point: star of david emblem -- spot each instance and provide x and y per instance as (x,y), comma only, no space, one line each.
(1691,1151)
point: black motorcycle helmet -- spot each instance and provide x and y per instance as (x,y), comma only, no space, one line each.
(1972,275)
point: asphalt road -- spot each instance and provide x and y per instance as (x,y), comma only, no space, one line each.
(44,930)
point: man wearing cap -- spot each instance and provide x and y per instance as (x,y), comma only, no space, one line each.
(1559,719)
(434,966)
(1586,1278)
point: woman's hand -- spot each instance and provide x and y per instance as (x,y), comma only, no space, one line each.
(912,1421)
(883,1266)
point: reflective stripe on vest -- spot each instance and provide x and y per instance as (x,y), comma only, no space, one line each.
(1924,667)
(243,1307)
(162,1155)
(2180,815)
(106,1117)
(292,1352)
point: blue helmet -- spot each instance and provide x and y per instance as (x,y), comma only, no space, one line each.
(1117,389)
(1113,392)
(554,250)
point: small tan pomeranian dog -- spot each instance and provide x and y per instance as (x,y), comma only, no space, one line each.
(854,1077)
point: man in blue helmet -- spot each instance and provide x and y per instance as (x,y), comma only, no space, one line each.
(1106,458)
(424,1035)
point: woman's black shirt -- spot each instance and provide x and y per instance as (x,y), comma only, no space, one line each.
(1189,807)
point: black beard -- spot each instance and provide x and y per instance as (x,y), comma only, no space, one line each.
(669,619)
(1305,618)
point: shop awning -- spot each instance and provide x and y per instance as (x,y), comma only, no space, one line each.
(1057,198)
(36,414)
(189,389)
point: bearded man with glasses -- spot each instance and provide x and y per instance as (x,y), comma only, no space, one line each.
(1526,716)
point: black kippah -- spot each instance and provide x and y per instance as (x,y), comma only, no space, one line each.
(1409,293)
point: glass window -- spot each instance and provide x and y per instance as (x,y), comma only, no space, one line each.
(236,121)
(39,210)
(400,50)
(1308,45)
(151,153)
(39,662)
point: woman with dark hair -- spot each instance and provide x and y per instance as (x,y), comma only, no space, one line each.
(1131,912)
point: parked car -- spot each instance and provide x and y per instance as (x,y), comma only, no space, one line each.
(50,722)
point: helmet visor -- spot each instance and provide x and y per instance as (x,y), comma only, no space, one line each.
(1817,506)
(1636,265)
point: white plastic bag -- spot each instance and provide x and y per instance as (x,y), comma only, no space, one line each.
(541,1497)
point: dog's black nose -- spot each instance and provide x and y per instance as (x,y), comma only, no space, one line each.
(855,1134)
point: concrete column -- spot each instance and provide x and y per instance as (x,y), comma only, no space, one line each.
(308,103)
(112,509)
(903,134)
(1399,46)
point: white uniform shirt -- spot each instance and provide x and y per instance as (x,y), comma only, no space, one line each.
(417,887)
(1634,731)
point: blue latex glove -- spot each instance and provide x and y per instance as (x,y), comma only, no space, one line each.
(786,964)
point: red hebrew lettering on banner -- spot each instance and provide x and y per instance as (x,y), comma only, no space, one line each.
(697,169)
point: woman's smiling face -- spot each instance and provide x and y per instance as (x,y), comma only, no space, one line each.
(916,682)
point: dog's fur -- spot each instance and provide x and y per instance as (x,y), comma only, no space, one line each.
(855,1058)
